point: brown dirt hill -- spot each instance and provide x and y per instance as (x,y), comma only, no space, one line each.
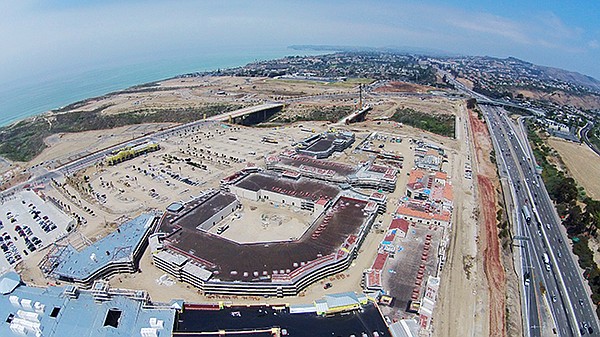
(560,97)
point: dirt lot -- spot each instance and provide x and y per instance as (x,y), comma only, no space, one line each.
(494,271)
(583,164)
(65,147)
(128,189)
(263,222)
(404,87)
(462,279)
(191,92)
(386,106)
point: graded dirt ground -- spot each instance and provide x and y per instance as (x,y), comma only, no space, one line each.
(583,164)
(487,182)
(65,147)
(404,87)
(463,282)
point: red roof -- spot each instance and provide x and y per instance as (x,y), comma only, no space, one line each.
(401,224)
(380,261)
(374,279)
(321,201)
(404,210)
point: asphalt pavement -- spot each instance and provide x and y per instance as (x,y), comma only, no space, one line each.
(556,284)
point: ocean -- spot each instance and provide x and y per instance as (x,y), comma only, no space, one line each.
(31,96)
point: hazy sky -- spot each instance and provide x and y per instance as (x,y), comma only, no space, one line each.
(51,35)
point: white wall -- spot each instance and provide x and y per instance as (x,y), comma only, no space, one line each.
(220,215)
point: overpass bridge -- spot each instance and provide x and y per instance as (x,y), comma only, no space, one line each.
(503,104)
(356,116)
(250,115)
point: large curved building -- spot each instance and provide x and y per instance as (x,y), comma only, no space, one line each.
(183,246)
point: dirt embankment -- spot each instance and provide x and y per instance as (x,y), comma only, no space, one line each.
(394,86)
(490,244)
(12,179)
(562,98)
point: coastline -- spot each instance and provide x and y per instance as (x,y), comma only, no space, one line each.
(26,99)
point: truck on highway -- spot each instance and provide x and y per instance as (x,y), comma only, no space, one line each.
(526,214)
(546,261)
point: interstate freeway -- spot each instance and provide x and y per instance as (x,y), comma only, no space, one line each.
(551,279)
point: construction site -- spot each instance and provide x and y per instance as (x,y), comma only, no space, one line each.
(219,211)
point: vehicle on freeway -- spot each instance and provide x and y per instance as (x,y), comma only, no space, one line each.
(545,258)
(587,327)
(526,214)
(546,261)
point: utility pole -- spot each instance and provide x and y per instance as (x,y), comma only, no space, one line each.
(360,105)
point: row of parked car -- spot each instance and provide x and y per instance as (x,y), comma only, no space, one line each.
(11,253)
(45,223)
(31,242)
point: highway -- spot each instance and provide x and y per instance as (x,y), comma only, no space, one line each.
(583,134)
(558,284)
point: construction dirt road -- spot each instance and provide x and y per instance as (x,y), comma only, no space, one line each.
(487,183)
(462,280)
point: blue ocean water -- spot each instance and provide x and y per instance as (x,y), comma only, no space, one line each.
(37,94)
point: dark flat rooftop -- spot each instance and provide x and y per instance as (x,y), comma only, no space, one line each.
(227,256)
(302,325)
(270,182)
(321,144)
(197,212)
(338,168)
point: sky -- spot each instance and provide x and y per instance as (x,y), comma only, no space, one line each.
(40,37)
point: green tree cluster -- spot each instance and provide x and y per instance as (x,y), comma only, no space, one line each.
(441,124)
(25,140)
(580,222)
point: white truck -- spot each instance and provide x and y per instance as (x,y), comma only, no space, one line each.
(546,261)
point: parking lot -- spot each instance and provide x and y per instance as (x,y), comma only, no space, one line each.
(409,268)
(188,162)
(28,223)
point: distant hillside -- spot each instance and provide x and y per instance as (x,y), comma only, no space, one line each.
(563,75)
(518,80)
(573,77)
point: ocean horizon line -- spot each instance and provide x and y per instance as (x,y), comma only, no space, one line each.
(27,99)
